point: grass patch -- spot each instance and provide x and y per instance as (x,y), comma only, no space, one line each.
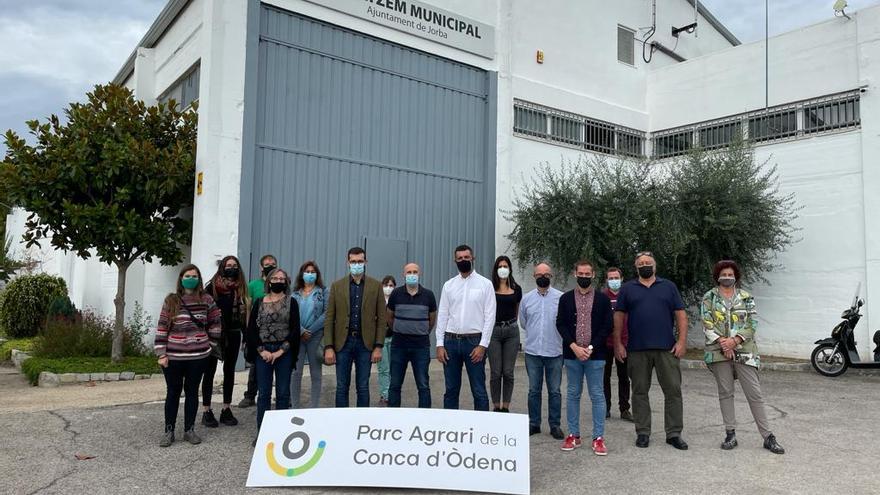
(139,365)
(20,344)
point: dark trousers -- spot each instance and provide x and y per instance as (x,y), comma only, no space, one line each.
(182,376)
(640,365)
(251,391)
(280,370)
(420,358)
(353,352)
(503,349)
(458,352)
(622,383)
(231,343)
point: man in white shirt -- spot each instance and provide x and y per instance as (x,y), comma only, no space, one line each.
(465,318)
(543,349)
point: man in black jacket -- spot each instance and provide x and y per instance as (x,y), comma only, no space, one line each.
(584,321)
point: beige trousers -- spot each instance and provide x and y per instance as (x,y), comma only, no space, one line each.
(751,386)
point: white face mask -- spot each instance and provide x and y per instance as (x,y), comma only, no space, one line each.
(387,290)
(504,272)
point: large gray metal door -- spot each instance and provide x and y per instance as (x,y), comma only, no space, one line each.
(360,138)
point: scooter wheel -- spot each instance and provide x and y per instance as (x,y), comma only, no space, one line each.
(827,361)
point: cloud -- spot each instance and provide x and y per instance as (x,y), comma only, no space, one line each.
(55,51)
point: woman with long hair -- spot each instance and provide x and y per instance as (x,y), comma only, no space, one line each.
(504,345)
(311,296)
(384,366)
(188,328)
(229,289)
(273,341)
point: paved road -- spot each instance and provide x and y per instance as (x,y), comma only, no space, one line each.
(828,426)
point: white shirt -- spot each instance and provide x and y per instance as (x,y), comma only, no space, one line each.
(537,316)
(467,305)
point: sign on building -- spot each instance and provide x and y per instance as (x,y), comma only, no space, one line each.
(423,20)
(393,447)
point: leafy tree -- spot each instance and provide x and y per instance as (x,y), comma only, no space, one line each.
(111,181)
(690,213)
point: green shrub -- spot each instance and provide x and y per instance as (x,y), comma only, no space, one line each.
(62,308)
(20,344)
(25,302)
(89,335)
(139,365)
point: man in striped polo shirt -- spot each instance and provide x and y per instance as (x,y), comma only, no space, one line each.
(412,313)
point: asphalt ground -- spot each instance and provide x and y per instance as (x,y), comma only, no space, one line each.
(827,426)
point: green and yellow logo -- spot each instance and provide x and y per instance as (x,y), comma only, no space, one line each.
(303,437)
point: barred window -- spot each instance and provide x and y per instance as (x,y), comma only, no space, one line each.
(566,129)
(630,144)
(773,126)
(185,90)
(599,136)
(719,135)
(831,115)
(530,121)
(673,144)
(626,45)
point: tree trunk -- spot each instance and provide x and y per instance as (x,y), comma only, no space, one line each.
(119,327)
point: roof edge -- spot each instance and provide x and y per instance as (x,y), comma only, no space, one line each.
(166,17)
(702,10)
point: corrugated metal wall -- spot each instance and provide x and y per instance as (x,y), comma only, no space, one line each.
(359,137)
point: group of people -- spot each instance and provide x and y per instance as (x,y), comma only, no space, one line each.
(283,323)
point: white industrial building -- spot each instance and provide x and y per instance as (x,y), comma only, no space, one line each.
(329,123)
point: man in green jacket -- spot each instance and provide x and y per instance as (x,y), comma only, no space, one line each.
(354,330)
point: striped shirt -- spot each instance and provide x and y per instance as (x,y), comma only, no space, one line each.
(179,337)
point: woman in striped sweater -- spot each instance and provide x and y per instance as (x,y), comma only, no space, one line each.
(189,326)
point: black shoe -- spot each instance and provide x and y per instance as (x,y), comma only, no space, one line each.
(227,418)
(626,416)
(209,420)
(608,414)
(247,402)
(729,442)
(677,442)
(497,409)
(534,430)
(505,410)
(642,441)
(771,445)
(556,432)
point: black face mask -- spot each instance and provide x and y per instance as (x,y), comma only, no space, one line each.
(646,271)
(278,287)
(543,282)
(231,272)
(268,269)
(584,282)
(464,266)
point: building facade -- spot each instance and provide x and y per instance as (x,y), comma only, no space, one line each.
(408,128)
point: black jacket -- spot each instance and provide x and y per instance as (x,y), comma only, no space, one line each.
(252,334)
(601,319)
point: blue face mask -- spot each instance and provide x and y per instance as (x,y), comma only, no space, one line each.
(614,285)
(356,268)
(412,279)
(309,277)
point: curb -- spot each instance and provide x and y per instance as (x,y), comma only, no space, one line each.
(50,380)
(693,364)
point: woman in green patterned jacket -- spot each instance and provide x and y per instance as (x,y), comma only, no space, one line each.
(728,314)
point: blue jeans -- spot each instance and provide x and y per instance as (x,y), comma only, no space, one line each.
(313,352)
(420,357)
(594,371)
(458,352)
(540,368)
(354,352)
(384,369)
(281,369)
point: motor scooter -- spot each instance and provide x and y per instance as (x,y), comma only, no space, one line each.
(834,355)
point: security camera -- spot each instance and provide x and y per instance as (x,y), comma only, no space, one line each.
(839,7)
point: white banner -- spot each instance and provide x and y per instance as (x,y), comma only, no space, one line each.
(393,447)
(423,20)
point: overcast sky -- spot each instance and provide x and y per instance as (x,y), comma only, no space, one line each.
(56,50)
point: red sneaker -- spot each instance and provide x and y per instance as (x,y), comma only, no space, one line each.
(599,446)
(571,442)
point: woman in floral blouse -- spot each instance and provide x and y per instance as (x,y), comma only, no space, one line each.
(728,314)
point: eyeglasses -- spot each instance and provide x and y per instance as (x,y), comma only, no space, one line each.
(644,253)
